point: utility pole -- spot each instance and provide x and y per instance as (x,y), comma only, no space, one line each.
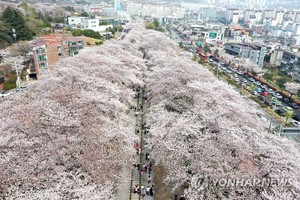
(18,81)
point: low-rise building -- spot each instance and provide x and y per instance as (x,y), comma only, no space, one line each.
(255,53)
(76,22)
(49,49)
(212,37)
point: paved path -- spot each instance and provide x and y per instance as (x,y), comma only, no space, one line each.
(140,178)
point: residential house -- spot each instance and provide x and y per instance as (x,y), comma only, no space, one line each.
(49,49)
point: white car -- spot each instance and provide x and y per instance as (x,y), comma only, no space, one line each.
(296,123)
(278,96)
(5,94)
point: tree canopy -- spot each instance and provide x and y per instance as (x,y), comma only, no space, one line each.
(13,19)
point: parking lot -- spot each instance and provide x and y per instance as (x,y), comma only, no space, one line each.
(282,104)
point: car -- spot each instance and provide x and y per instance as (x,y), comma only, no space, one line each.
(5,94)
(268,103)
(296,123)
(248,88)
(276,102)
(264,87)
(244,85)
(278,96)
(294,105)
(296,117)
(235,75)
(286,100)
(280,112)
(259,90)
(260,97)
(240,72)
(257,83)
(254,93)
(230,68)
(288,109)
(265,94)
(245,80)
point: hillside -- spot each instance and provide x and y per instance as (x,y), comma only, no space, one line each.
(70,135)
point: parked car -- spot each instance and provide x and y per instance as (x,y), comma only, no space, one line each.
(294,105)
(265,94)
(288,109)
(258,83)
(259,90)
(254,93)
(5,94)
(268,103)
(276,102)
(296,117)
(264,87)
(278,96)
(296,123)
(280,112)
(260,97)
(286,100)
(240,72)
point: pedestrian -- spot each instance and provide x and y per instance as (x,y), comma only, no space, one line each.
(145,168)
(143,192)
(148,190)
(146,155)
(149,179)
(151,191)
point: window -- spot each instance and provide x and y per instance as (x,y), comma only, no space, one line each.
(41,57)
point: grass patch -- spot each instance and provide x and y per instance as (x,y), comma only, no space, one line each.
(11,83)
(93,41)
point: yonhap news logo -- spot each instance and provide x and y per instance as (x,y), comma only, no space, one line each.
(206,182)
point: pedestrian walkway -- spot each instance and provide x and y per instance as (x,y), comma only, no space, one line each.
(141,186)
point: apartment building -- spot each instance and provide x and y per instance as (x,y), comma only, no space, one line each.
(212,37)
(49,49)
(255,53)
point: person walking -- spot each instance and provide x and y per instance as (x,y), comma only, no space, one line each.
(149,179)
(148,190)
(143,192)
(151,191)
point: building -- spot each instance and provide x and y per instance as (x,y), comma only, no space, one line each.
(235,18)
(247,14)
(91,24)
(49,49)
(229,14)
(290,61)
(76,22)
(279,16)
(254,53)
(212,37)
(269,14)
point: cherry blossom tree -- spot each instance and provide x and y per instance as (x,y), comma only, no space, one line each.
(292,87)
(71,133)
(201,128)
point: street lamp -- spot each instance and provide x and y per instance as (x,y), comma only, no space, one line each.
(18,81)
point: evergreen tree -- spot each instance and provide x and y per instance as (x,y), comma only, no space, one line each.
(14,19)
